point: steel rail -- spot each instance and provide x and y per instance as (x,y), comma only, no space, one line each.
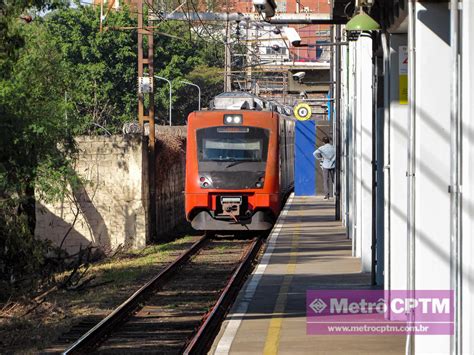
(201,341)
(90,339)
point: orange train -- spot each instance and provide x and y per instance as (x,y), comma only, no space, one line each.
(239,163)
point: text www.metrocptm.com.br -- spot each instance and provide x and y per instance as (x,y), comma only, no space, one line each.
(378,329)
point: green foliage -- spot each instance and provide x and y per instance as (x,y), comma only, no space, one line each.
(32,127)
(210,81)
(100,67)
(21,255)
(31,104)
(193,59)
(60,77)
(11,39)
(32,111)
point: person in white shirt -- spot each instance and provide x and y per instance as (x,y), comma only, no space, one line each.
(327,155)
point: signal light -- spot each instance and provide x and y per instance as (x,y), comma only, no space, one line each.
(205,182)
(260,182)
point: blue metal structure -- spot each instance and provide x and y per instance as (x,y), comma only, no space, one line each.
(305,170)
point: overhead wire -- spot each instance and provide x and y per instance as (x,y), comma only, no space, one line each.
(255,53)
(260,76)
(212,37)
(196,31)
(202,22)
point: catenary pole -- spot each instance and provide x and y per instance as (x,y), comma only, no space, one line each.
(337,117)
(145,70)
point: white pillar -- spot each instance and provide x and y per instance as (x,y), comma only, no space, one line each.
(363,156)
(467,75)
(350,127)
(432,154)
(343,114)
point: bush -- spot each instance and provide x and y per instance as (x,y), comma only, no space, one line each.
(22,258)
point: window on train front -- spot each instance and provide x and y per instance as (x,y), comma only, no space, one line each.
(229,144)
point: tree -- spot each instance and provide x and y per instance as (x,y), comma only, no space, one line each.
(193,58)
(209,79)
(11,39)
(60,65)
(100,67)
(31,129)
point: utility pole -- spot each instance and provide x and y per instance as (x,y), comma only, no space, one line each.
(256,59)
(248,81)
(228,62)
(147,114)
(101,15)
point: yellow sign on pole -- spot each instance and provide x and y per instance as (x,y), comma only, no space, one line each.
(403,74)
(302,112)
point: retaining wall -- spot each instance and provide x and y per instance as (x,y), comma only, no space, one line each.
(111,208)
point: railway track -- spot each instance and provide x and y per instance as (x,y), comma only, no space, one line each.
(180,309)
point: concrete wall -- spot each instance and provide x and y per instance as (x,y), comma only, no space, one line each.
(110,208)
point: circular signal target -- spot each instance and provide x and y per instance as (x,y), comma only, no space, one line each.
(302,112)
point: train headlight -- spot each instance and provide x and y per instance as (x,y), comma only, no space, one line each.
(233,119)
(205,182)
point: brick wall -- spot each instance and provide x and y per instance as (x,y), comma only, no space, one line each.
(110,209)
(170,177)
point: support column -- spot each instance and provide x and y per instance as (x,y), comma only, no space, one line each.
(378,163)
(350,145)
(467,166)
(337,118)
(432,157)
(363,156)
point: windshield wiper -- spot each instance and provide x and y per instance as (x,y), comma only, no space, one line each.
(237,162)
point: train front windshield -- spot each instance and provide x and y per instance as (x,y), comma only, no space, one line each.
(246,144)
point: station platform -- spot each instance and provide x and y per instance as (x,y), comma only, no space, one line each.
(307,250)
